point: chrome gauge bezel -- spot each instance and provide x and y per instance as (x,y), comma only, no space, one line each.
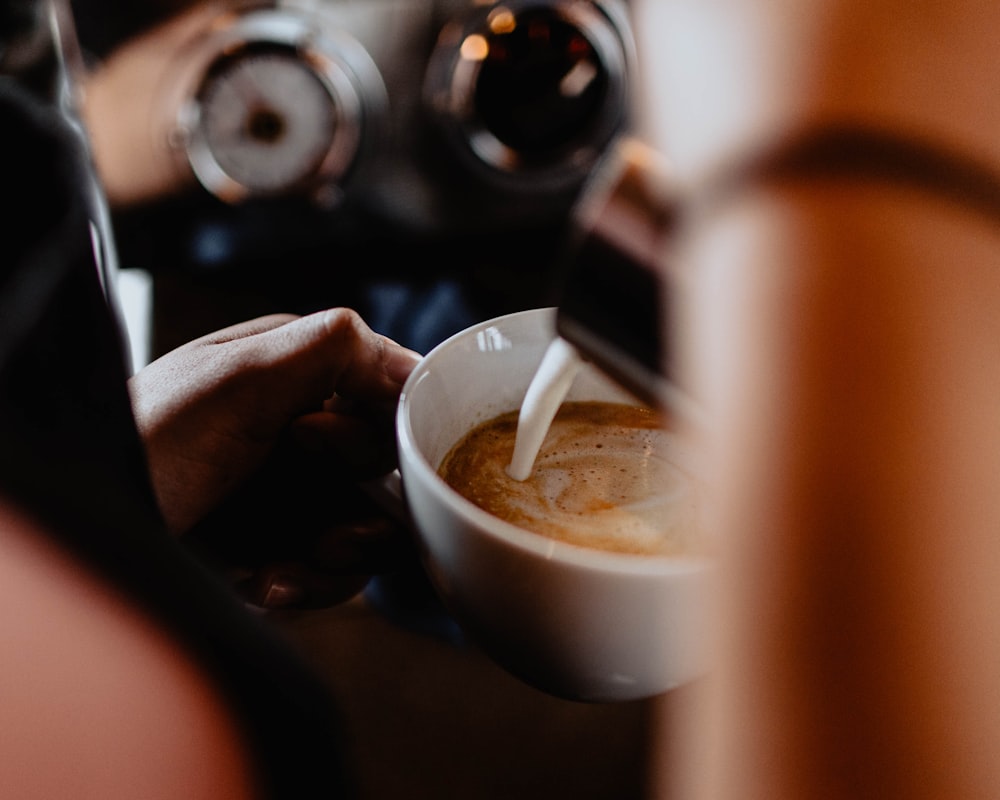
(450,91)
(350,81)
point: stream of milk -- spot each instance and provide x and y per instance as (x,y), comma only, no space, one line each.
(548,388)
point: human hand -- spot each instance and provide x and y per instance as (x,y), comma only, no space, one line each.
(300,404)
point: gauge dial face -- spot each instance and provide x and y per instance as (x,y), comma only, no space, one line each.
(267,119)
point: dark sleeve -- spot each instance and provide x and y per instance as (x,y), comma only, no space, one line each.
(70,455)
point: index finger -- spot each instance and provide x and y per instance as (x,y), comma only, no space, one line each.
(335,351)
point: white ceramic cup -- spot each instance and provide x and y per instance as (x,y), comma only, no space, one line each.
(575,622)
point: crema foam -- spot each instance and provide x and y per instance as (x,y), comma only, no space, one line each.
(606,476)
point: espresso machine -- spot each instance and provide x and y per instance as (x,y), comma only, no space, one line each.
(425,173)
(425,183)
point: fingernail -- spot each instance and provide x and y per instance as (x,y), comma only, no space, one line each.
(281,594)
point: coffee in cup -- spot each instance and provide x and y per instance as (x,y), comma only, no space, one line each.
(607,476)
(576,621)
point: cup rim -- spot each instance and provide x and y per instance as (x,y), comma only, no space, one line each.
(499,529)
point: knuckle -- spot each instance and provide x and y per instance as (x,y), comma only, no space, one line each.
(341,323)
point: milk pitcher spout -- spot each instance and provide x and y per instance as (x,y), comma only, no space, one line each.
(616,293)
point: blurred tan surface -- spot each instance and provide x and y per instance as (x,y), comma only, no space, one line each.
(430,718)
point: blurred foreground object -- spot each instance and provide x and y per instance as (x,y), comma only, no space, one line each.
(839,329)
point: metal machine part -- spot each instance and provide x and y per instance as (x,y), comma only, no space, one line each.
(531,92)
(436,114)
(276,103)
(618,289)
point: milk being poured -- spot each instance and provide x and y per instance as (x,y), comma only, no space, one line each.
(548,388)
(592,473)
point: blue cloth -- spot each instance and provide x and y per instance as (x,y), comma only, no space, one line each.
(419,317)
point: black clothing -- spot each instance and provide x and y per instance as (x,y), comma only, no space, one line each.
(71,456)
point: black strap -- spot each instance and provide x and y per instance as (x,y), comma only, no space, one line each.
(850,151)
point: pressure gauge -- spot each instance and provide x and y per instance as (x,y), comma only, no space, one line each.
(533,91)
(277,106)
